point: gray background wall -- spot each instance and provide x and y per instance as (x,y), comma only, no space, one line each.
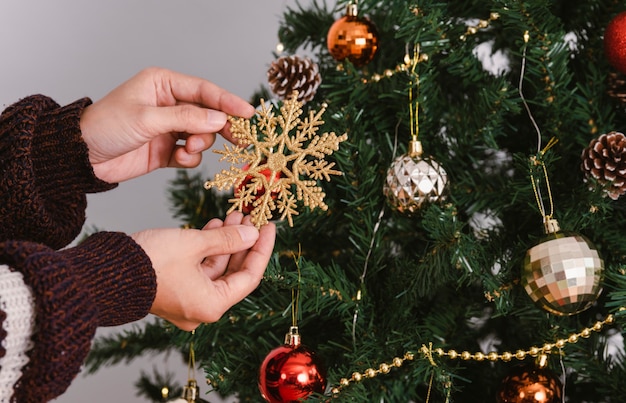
(68,49)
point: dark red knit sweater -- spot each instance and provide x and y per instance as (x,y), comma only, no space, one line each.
(104,281)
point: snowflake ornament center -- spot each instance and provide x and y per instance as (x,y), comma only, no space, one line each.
(284,162)
(276,162)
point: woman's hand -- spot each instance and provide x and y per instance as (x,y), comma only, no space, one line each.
(136,128)
(202,273)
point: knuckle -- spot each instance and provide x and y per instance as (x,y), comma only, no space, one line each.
(186,113)
(229,240)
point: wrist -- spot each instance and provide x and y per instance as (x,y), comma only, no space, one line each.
(47,157)
(118,274)
(60,152)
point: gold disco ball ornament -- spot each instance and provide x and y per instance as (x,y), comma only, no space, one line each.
(563,273)
(413,181)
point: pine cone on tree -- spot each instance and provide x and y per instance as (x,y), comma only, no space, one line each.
(605,160)
(292,73)
(617,87)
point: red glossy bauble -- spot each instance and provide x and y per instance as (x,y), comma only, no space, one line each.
(353,38)
(530,384)
(260,190)
(291,373)
(615,42)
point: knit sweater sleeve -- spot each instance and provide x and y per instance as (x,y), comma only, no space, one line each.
(106,280)
(17,325)
(45,171)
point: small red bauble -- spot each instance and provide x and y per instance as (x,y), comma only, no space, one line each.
(615,42)
(260,190)
(291,372)
(353,38)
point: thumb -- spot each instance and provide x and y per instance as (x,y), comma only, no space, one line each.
(184,118)
(225,240)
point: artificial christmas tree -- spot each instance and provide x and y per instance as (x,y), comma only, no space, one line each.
(430,306)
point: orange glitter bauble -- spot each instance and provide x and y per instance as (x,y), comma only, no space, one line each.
(615,42)
(353,38)
(530,384)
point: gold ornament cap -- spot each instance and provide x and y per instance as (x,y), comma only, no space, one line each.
(191,391)
(551,225)
(415,148)
(542,361)
(293,337)
(352,10)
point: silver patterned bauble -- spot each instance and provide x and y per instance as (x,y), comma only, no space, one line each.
(413,181)
(563,273)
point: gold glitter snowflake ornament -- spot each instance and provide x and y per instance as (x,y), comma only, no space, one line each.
(283,160)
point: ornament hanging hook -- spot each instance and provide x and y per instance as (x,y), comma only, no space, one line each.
(191,390)
(292,338)
(550,224)
(191,364)
(415,82)
(295,293)
(521,92)
(430,386)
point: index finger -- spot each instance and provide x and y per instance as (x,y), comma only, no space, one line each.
(185,88)
(236,284)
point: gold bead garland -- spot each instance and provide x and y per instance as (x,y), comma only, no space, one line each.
(482,24)
(383,368)
(406,64)
(429,353)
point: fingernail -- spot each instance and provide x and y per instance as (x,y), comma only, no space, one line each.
(248,233)
(183,158)
(194,146)
(216,118)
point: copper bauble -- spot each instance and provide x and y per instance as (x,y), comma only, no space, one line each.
(615,42)
(530,384)
(291,372)
(563,273)
(353,38)
(413,181)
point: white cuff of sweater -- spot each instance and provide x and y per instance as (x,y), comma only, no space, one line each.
(18,302)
